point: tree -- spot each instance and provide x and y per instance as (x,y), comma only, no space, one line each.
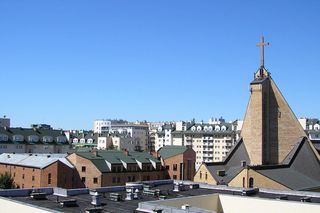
(6,181)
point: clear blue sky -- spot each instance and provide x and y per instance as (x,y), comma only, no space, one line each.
(67,63)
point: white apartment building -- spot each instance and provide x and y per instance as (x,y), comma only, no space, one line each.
(138,132)
(118,142)
(211,142)
(101,126)
(312,127)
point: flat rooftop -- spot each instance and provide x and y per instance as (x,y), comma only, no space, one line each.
(219,198)
(125,206)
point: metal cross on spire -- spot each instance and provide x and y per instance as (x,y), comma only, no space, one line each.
(262,44)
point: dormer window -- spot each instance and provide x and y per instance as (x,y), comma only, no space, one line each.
(33,138)
(61,139)
(210,128)
(193,128)
(75,140)
(223,128)
(90,140)
(3,137)
(205,128)
(160,129)
(82,140)
(18,138)
(199,128)
(47,139)
(217,128)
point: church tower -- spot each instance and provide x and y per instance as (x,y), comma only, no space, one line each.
(270,128)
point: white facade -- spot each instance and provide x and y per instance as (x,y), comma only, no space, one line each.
(211,142)
(138,132)
(101,126)
(118,143)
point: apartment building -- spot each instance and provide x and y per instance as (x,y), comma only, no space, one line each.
(118,141)
(110,167)
(101,126)
(38,170)
(211,142)
(179,162)
(33,140)
(138,132)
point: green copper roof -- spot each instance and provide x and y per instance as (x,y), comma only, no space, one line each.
(170,151)
(115,157)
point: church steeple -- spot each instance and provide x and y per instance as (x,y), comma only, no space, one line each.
(270,128)
(262,72)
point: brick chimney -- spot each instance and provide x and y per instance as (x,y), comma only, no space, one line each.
(125,152)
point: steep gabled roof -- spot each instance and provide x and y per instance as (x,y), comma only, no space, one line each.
(300,170)
(231,164)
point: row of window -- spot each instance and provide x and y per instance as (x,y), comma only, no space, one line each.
(208,128)
(33,138)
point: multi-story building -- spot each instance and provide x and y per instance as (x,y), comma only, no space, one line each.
(101,126)
(109,167)
(138,132)
(311,127)
(179,162)
(39,170)
(33,140)
(118,141)
(211,142)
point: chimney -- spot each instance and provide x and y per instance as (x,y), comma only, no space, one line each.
(125,152)
(94,152)
(243,163)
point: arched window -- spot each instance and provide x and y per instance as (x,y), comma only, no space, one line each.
(217,128)
(251,182)
(223,128)
(200,175)
(243,182)
(210,128)
(205,128)
(206,177)
(199,128)
(193,128)
(75,140)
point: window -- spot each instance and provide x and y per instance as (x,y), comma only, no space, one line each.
(168,168)
(113,179)
(129,178)
(83,179)
(174,177)
(83,169)
(243,182)
(49,178)
(206,176)
(22,176)
(251,182)
(200,175)
(95,180)
(133,178)
(175,167)
(118,179)
(32,178)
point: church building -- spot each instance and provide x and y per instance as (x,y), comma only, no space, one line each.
(273,150)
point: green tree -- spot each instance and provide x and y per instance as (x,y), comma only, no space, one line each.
(6,181)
